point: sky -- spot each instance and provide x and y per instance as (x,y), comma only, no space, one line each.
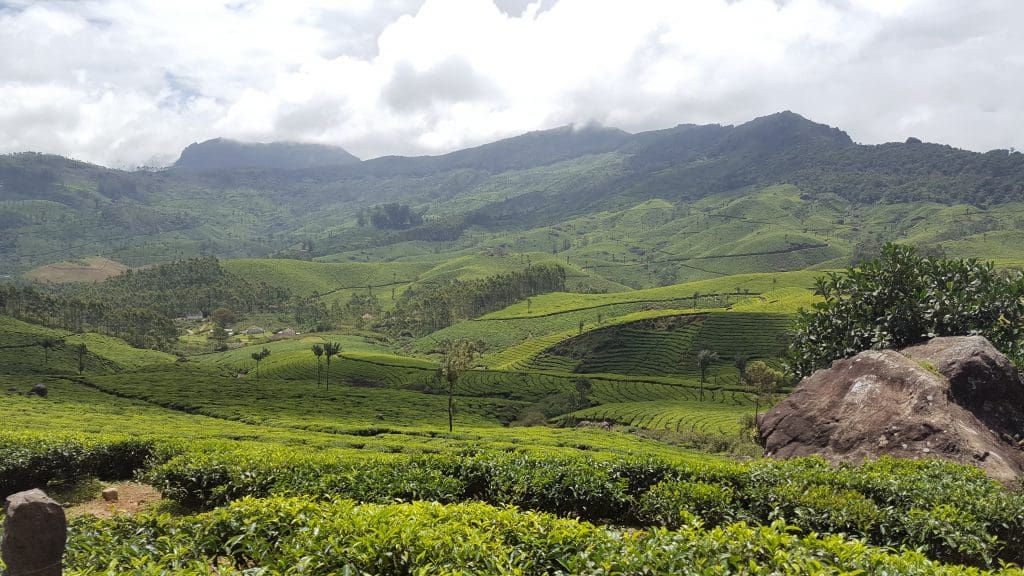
(127,83)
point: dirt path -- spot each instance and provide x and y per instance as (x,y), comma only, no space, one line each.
(132,498)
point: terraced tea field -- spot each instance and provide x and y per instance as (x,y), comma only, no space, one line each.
(692,417)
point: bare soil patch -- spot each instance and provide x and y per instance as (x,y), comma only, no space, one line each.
(132,498)
(95,269)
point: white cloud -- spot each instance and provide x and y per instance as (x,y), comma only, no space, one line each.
(124,82)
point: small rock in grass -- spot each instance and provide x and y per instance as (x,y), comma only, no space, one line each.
(110,494)
(39,390)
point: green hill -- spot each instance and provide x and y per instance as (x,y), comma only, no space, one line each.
(777,193)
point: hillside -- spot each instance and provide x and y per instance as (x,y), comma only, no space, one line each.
(779,192)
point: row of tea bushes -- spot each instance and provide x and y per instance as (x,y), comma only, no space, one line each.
(35,460)
(951,512)
(300,536)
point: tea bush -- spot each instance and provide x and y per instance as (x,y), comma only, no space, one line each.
(298,536)
(33,461)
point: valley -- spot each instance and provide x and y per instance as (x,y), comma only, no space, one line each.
(270,338)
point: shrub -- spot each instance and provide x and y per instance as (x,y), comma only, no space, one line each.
(297,536)
(34,462)
(675,504)
(901,299)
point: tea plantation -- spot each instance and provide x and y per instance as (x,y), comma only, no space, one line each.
(580,445)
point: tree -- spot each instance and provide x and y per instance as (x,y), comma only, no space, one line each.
(584,387)
(705,357)
(458,357)
(80,352)
(900,299)
(764,379)
(48,344)
(740,362)
(258,357)
(331,349)
(223,316)
(318,351)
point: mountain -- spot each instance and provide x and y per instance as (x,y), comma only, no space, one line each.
(224,154)
(782,191)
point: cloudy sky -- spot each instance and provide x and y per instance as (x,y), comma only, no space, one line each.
(130,82)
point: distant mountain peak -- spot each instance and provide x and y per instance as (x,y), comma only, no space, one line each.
(227,154)
(788,128)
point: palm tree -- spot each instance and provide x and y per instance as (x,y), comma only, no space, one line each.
(705,357)
(331,349)
(258,356)
(47,345)
(318,351)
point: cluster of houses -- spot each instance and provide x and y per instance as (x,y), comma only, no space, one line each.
(250,331)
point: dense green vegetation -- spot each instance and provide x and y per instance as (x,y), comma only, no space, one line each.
(294,536)
(777,193)
(902,299)
(539,356)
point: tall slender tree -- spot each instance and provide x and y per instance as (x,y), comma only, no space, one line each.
(331,349)
(318,351)
(705,357)
(258,357)
(48,344)
(80,352)
(458,357)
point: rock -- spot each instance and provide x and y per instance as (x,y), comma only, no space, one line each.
(39,390)
(35,532)
(954,398)
(981,379)
(110,494)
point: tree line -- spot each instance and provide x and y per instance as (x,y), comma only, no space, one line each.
(428,308)
(140,327)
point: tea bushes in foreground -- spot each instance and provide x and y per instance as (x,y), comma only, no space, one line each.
(950,512)
(296,536)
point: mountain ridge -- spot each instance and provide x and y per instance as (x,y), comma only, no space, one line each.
(53,209)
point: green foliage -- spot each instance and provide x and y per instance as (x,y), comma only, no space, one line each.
(674,504)
(187,286)
(259,357)
(952,512)
(901,299)
(394,216)
(427,309)
(295,536)
(764,380)
(141,327)
(30,461)
(330,350)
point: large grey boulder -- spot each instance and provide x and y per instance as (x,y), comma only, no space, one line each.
(955,398)
(35,532)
